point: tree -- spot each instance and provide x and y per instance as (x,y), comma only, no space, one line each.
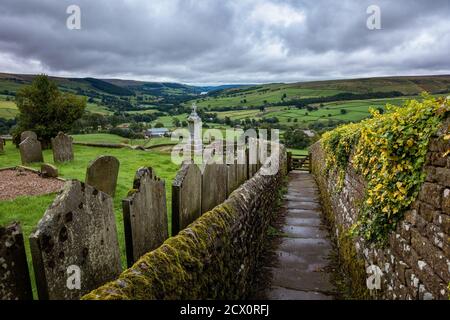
(296,138)
(343,111)
(45,110)
(176,122)
(159,125)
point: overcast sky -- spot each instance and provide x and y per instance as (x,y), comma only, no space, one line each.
(225,41)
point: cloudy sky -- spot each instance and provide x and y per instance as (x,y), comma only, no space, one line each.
(225,41)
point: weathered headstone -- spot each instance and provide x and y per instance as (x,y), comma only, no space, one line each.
(145,215)
(186,197)
(241,173)
(102,174)
(31,151)
(214,185)
(232,178)
(49,171)
(27,134)
(75,247)
(14,276)
(62,146)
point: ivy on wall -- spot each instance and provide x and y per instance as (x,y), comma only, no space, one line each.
(389,150)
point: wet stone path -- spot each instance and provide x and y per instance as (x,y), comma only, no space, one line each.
(304,250)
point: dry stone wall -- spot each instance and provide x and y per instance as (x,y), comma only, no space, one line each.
(415,264)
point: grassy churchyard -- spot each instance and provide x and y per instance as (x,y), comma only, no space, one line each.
(29,209)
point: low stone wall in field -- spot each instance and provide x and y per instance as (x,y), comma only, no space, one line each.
(215,257)
(415,264)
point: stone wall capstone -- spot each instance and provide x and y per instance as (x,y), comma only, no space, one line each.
(102,174)
(77,232)
(186,197)
(145,215)
(14,276)
(415,264)
(62,147)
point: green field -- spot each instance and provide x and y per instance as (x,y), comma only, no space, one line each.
(8,109)
(29,210)
(355,110)
(112,138)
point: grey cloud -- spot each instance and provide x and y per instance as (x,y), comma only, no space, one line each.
(208,41)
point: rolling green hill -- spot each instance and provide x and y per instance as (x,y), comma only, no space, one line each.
(255,96)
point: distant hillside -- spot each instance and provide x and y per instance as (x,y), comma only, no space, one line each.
(288,94)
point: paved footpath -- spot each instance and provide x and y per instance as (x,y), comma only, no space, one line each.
(304,249)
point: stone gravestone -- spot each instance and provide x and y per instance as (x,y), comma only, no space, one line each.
(62,146)
(27,134)
(186,197)
(232,179)
(145,215)
(102,174)
(75,247)
(31,151)
(49,171)
(14,276)
(214,185)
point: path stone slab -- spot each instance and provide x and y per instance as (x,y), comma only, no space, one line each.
(304,232)
(303,280)
(278,293)
(302,213)
(303,253)
(313,222)
(303,205)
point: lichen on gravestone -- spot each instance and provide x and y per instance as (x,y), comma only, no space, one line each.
(77,231)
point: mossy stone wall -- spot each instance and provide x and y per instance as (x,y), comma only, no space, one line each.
(415,263)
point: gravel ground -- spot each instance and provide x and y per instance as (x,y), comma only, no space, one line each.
(16,183)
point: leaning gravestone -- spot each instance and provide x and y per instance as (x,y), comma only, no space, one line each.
(145,215)
(75,247)
(186,197)
(31,151)
(14,277)
(102,174)
(62,146)
(214,185)
(27,134)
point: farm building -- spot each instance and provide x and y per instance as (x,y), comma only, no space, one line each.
(157,132)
